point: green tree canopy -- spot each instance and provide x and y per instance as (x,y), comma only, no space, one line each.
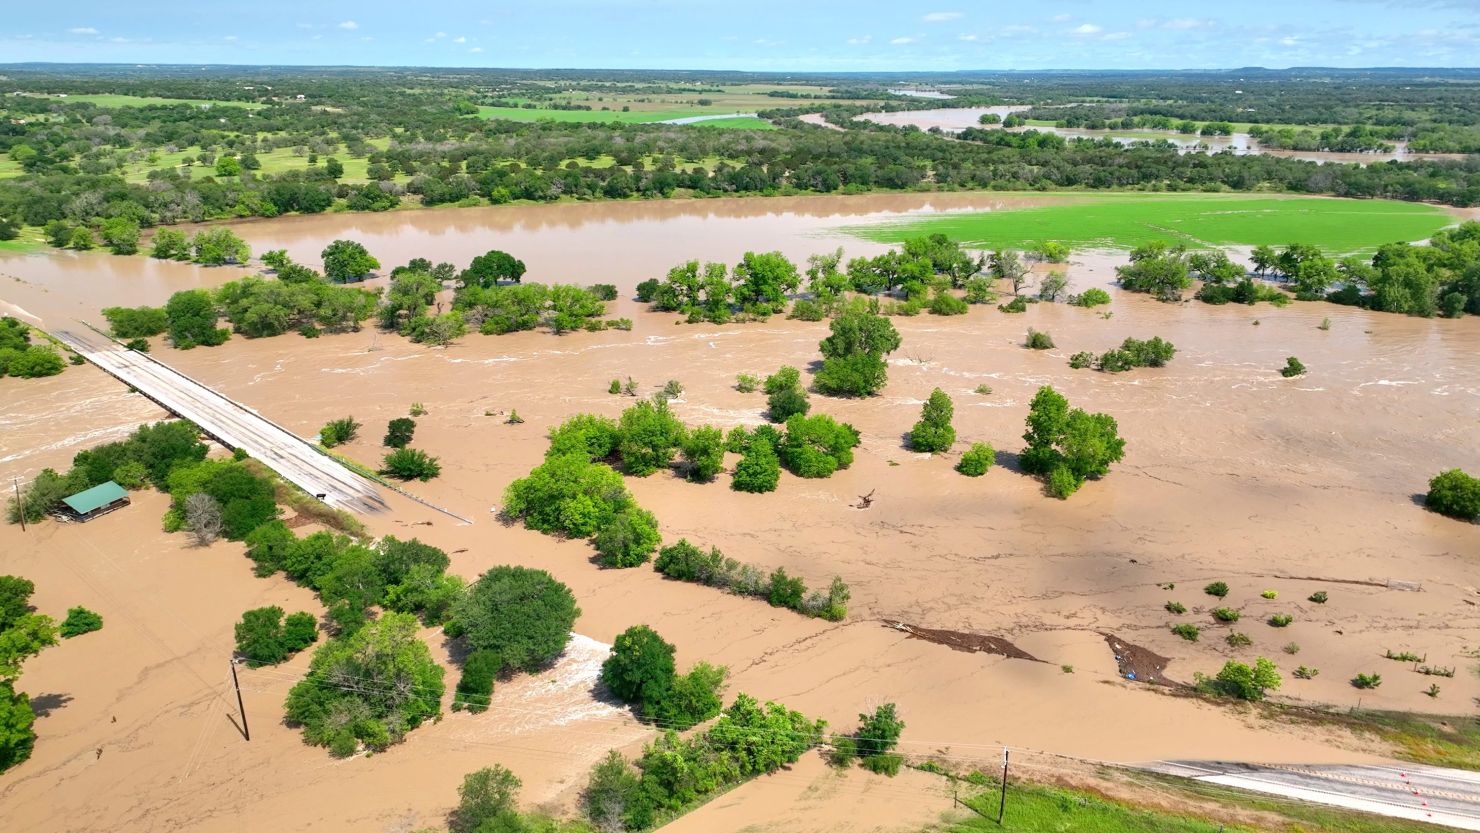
(521,614)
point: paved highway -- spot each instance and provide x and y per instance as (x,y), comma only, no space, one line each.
(233,424)
(1429,794)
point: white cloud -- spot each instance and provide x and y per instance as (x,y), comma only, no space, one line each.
(476,49)
(1185,23)
(229,37)
(1062,18)
(901,41)
(440,35)
(860,41)
(942,17)
(83,30)
(459,40)
(1290,40)
(1116,36)
(766,42)
(1087,29)
(350,25)
(968,37)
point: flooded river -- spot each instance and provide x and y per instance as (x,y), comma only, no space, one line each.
(956,119)
(1232,473)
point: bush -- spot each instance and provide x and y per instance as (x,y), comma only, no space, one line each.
(1281,620)
(264,638)
(1367,680)
(1454,493)
(1217,588)
(1238,640)
(786,591)
(977,460)
(615,387)
(1243,681)
(785,404)
(1305,672)
(398,432)
(17,737)
(1176,607)
(1092,297)
(649,434)
(759,470)
(79,621)
(1292,368)
(339,431)
(593,437)
(1225,614)
(944,303)
(647,289)
(934,432)
(1188,632)
(1081,360)
(475,686)
(567,494)
(136,322)
(1319,597)
(640,669)
(410,464)
(488,802)
(629,539)
(138,345)
(604,291)
(816,446)
(703,452)
(1068,445)
(1269,594)
(521,614)
(1038,340)
(746,383)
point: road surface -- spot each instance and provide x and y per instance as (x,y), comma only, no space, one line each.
(233,424)
(697,119)
(1429,794)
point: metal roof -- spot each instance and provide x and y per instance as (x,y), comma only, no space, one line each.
(95,498)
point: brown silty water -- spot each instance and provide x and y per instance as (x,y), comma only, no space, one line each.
(1232,473)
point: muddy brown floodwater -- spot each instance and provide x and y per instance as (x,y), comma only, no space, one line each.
(1232,473)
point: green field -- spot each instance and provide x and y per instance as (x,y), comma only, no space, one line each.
(633,117)
(1124,221)
(1033,808)
(738,123)
(9,167)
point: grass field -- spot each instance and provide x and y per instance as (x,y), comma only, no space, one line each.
(737,123)
(633,117)
(9,167)
(1042,809)
(107,100)
(1200,220)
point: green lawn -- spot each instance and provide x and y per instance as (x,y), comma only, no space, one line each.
(9,167)
(1200,220)
(737,123)
(108,100)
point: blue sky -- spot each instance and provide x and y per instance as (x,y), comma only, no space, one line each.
(797,35)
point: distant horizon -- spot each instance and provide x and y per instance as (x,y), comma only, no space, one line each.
(765,36)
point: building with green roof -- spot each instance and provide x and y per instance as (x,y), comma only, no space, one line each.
(99,500)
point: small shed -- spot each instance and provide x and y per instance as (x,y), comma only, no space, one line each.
(99,500)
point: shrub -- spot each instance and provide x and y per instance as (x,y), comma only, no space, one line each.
(934,432)
(567,494)
(628,539)
(1187,631)
(1038,340)
(786,591)
(521,614)
(1291,648)
(488,799)
(649,434)
(1017,304)
(640,669)
(1217,588)
(1269,594)
(1305,672)
(1081,360)
(977,460)
(1280,620)
(983,390)
(1068,445)
(816,446)
(1367,680)
(339,431)
(604,291)
(615,387)
(79,621)
(1225,614)
(759,470)
(263,637)
(1238,640)
(475,687)
(1454,493)
(944,303)
(1319,597)
(410,464)
(136,322)
(1292,368)
(1176,607)
(138,345)
(1092,297)
(703,452)
(590,436)
(1243,681)
(785,404)
(746,383)
(17,717)
(673,389)
(300,630)
(398,432)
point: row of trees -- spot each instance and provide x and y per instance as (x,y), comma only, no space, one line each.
(685,562)
(23,634)
(1133,352)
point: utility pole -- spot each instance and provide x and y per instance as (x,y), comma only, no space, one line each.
(247,733)
(20,506)
(1002,804)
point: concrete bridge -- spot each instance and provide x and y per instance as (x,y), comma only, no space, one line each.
(230,423)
